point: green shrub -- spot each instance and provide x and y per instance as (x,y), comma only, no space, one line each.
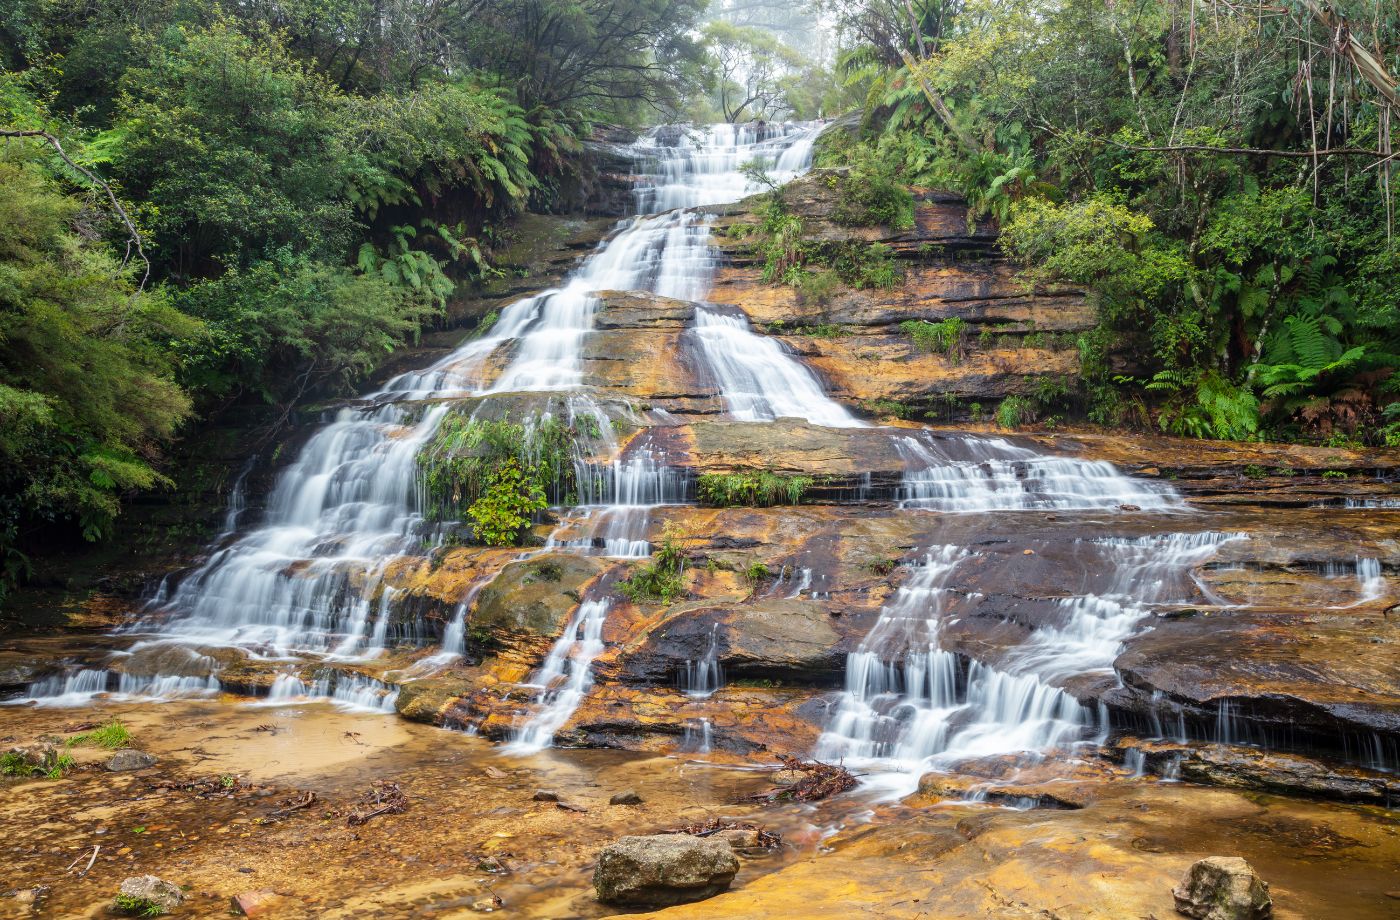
(505,508)
(871,194)
(944,336)
(754,490)
(756,572)
(497,472)
(1015,411)
(1334,474)
(817,286)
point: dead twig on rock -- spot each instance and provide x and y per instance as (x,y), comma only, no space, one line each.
(305,800)
(819,781)
(766,839)
(383,798)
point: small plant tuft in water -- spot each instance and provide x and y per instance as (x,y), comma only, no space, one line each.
(130,904)
(663,579)
(113,735)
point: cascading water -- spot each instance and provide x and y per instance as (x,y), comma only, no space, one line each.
(564,678)
(911,705)
(703,676)
(975,474)
(757,377)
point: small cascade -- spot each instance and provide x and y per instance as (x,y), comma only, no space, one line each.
(1368,573)
(911,705)
(564,677)
(346,690)
(978,475)
(698,737)
(238,497)
(756,376)
(81,687)
(703,676)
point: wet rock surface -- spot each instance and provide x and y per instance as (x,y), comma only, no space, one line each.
(663,869)
(1250,768)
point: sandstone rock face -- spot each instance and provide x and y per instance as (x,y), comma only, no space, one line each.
(786,639)
(149,891)
(1223,888)
(1013,337)
(663,869)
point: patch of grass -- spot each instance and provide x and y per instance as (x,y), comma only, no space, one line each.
(663,579)
(887,407)
(1334,474)
(130,904)
(113,735)
(756,572)
(1254,471)
(763,489)
(945,336)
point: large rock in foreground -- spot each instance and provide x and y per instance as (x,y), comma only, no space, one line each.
(663,869)
(148,895)
(1223,888)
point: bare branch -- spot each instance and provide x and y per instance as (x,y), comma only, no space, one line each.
(133,236)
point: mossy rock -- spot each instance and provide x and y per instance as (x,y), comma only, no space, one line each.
(534,595)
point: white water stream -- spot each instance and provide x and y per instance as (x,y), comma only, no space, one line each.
(911,705)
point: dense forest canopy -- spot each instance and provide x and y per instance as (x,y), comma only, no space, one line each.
(205,205)
(1217,175)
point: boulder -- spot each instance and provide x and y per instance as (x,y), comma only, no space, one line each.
(534,596)
(663,869)
(545,795)
(123,761)
(629,797)
(1223,888)
(146,894)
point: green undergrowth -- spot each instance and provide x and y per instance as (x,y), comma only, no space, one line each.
(53,765)
(760,489)
(946,337)
(498,473)
(662,580)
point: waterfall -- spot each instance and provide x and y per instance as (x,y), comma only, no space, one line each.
(308,580)
(564,677)
(911,705)
(758,379)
